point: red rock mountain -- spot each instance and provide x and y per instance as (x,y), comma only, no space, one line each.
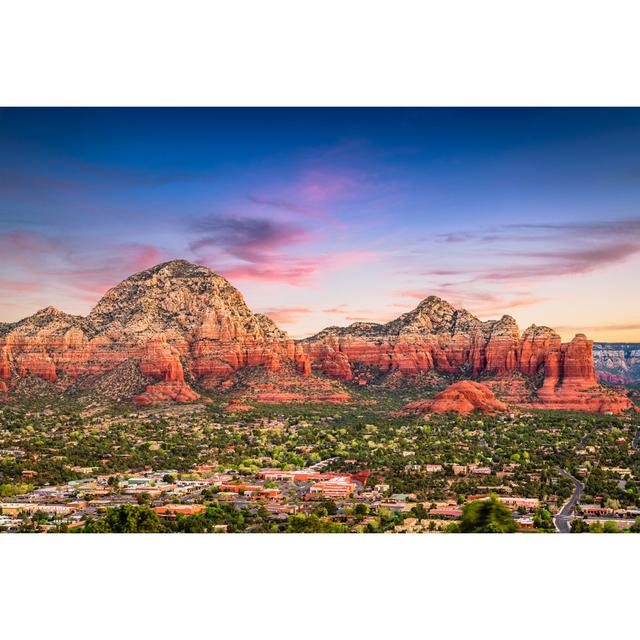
(177,326)
(462,397)
(436,336)
(173,318)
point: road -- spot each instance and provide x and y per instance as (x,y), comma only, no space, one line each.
(636,439)
(561,519)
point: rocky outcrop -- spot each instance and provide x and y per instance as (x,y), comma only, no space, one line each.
(436,336)
(172,319)
(463,397)
(178,326)
(166,392)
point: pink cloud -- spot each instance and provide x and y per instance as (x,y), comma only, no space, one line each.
(41,262)
(286,315)
(320,186)
(297,273)
(294,271)
(479,302)
(19,286)
(338,310)
(98,272)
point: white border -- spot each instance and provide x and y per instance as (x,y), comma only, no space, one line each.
(318,586)
(346,52)
(322,53)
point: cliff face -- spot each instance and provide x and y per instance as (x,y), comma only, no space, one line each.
(179,325)
(435,336)
(617,363)
(173,319)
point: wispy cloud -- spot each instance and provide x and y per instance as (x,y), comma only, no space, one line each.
(295,271)
(546,249)
(286,315)
(631,326)
(477,301)
(247,238)
(41,264)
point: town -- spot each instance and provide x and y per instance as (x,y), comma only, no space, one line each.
(306,468)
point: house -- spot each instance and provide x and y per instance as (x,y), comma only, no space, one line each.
(595,510)
(433,468)
(518,502)
(482,471)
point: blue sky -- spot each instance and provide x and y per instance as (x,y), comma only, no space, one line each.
(327,216)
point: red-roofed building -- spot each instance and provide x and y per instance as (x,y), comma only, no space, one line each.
(339,487)
(173,510)
(446,512)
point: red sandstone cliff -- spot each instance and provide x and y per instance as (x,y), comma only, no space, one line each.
(172,319)
(179,325)
(435,336)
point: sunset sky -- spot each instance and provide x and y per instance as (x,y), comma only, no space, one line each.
(330,216)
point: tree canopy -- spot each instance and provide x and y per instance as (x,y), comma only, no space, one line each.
(487,516)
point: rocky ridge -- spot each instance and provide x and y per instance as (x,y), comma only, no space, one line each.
(436,336)
(178,326)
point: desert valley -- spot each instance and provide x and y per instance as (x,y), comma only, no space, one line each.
(173,407)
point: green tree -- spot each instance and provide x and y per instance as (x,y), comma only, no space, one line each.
(419,511)
(143,498)
(611,527)
(313,524)
(487,516)
(126,519)
(579,526)
(542,519)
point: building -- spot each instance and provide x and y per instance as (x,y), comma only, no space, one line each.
(518,502)
(171,511)
(481,471)
(595,510)
(340,487)
(446,512)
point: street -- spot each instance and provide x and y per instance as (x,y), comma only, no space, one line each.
(561,520)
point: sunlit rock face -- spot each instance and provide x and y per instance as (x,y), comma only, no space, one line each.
(437,336)
(181,327)
(464,397)
(179,322)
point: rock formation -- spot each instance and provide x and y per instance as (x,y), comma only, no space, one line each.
(178,326)
(462,397)
(436,336)
(615,362)
(173,318)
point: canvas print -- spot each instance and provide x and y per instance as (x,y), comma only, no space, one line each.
(348,320)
